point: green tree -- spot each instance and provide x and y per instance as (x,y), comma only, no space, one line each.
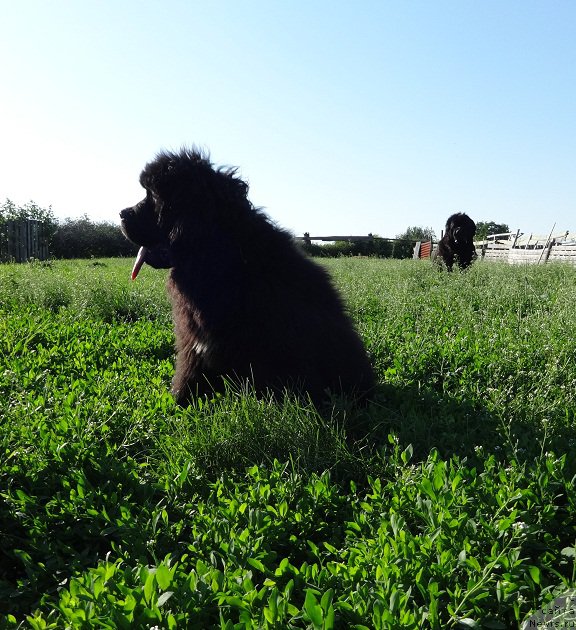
(485,228)
(31,210)
(417,233)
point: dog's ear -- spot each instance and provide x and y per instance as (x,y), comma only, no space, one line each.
(159,207)
(157,179)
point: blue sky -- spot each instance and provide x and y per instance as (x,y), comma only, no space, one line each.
(345,117)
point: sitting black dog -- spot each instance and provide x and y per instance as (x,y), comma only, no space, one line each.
(247,304)
(457,244)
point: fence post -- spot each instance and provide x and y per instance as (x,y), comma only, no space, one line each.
(513,244)
(548,250)
(515,239)
(548,242)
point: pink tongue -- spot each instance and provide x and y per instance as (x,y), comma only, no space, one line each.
(138,262)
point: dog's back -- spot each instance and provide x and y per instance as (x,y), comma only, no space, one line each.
(281,328)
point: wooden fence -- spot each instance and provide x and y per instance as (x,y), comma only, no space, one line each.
(23,239)
(423,249)
(517,248)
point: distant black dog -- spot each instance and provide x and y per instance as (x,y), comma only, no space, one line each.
(247,305)
(457,244)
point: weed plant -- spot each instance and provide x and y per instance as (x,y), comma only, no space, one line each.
(448,501)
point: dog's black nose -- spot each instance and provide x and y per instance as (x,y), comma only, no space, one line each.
(124,214)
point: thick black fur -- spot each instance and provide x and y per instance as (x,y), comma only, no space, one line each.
(457,244)
(247,304)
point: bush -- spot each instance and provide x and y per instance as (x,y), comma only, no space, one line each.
(83,238)
(71,238)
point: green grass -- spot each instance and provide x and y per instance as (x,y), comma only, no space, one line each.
(449,502)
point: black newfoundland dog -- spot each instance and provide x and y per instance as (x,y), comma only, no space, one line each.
(247,305)
(457,244)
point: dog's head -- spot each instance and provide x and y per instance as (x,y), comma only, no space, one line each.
(186,198)
(461,229)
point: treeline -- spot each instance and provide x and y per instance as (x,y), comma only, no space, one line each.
(376,247)
(84,238)
(71,238)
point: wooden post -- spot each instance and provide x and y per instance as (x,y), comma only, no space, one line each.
(548,250)
(515,239)
(546,246)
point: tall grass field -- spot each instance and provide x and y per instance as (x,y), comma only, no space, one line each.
(449,501)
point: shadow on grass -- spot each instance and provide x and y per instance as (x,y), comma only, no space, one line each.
(429,420)
(66,518)
(236,430)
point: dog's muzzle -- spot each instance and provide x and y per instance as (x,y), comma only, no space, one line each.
(155,255)
(158,257)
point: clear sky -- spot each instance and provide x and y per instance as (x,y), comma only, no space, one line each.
(345,116)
